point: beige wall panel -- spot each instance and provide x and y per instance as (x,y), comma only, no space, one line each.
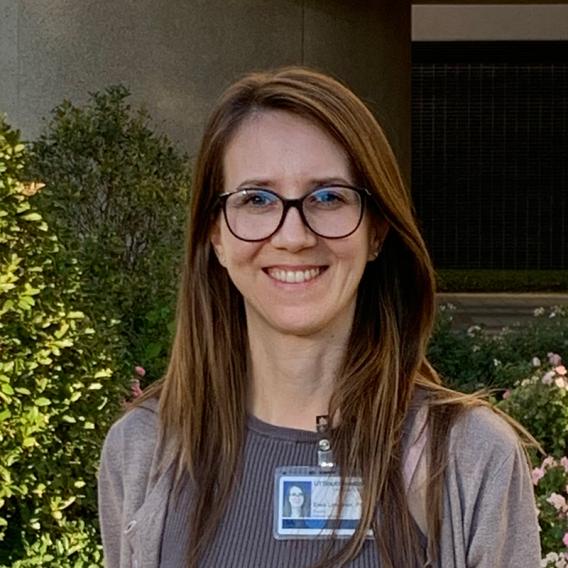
(175,56)
(520,22)
(367,44)
(9,59)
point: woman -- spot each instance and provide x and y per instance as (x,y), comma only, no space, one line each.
(295,505)
(307,291)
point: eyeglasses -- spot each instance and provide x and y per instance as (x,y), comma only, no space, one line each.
(332,212)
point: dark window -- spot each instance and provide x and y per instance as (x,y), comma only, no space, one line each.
(490,153)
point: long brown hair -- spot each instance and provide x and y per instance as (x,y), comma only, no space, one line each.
(203,394)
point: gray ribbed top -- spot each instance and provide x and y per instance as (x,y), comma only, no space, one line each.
(245,538)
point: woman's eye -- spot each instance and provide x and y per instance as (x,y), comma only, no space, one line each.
(327,197)
(254,199)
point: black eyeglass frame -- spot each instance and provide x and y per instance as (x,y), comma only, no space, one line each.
(297,204)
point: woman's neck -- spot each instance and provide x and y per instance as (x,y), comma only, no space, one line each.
(296,512)
(292,378)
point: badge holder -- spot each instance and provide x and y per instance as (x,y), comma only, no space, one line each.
(306,498)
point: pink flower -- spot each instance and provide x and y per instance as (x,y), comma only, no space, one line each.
(549,461)
(537,474)
(554,359)
(140,371)
(565,539)
(507,394)
(558,502)
(547,379)
(135,388)
(560,383)
(564,463)
(560,370)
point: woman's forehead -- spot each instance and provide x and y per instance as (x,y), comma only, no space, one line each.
(279,146)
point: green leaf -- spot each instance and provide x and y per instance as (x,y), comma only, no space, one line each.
(26,302)
(23,206)
(42,401)
(75,315)
(75,396)
(32,217)
(62,330)
(103,373)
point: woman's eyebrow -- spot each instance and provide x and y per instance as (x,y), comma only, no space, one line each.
(312,182)
(261,182)
(330,181)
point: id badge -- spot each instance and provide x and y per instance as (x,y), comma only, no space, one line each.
(306,502)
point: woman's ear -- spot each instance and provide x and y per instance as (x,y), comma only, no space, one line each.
(378,235)
(216,242)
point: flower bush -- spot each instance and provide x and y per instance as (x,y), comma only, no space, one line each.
(551,487)
(540,404)
(475,359)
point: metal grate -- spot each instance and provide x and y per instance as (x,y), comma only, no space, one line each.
(490,153)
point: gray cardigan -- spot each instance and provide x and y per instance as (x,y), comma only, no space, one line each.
(489,513)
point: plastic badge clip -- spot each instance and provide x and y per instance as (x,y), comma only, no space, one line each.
(326,461)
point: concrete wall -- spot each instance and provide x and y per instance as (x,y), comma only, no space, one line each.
(177,55)
(477,22)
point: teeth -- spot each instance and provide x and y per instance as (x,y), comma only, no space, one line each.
(293,276)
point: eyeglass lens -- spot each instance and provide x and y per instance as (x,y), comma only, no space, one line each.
(255,214)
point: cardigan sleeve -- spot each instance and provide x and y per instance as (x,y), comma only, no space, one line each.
(124,471)
(111,498)
(504,532)
(490,505)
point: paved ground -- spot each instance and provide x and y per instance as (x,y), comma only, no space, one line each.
(498,310)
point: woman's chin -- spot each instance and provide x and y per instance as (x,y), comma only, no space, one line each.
(300,321)
(303,325)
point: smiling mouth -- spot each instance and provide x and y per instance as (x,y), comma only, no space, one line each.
(295,276)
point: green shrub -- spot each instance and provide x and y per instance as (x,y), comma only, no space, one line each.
(116,195)
(58,388)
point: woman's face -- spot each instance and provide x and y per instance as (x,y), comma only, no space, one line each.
(296,497)
(291,156)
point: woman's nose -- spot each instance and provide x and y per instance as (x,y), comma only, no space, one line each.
(293,234)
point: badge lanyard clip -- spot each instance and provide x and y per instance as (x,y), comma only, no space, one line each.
(326,461)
